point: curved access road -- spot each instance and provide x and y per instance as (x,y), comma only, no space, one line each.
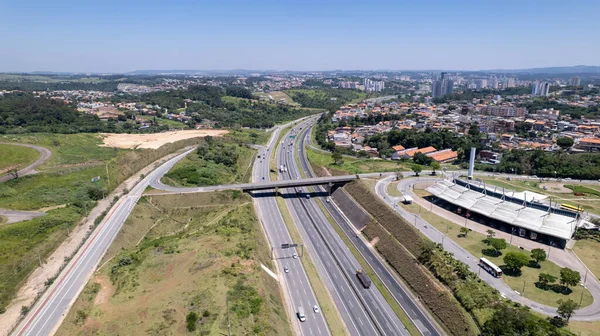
(558,256)
(45,155)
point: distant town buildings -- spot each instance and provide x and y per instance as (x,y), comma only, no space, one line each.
(373,85)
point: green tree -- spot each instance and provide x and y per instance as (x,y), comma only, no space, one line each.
(564,142)
(566,308)
(464,231)
(569,277)
(490,234)
(337,158)
(417,169)
(538,255)
(515,261)
(545,279)
(498,244)
(435,166)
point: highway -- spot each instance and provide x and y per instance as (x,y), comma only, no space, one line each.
(295,284)
(418,314)
(364,311)
(47,314)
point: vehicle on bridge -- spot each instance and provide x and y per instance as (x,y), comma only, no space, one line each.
(364,279)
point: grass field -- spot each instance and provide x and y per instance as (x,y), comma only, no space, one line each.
(392,189)
(23,241)
(64,180)
(193,170)
(474,244)
(184,266)
(589,252)
(16,157)
(352,165)
(277,95)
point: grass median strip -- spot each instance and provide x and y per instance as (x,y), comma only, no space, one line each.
(376,281)
(334,320)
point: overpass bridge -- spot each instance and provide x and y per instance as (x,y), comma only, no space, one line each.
(330,181)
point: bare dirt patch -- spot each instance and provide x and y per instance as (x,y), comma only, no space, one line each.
(154,140)
(556,187)
(106,290)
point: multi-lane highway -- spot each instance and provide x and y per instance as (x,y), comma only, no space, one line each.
(295,281)
(418,315)
(50,309)
(364,311)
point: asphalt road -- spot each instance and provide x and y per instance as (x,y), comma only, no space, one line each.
(296,285)
(590,313)
(364,311)
(418,314)
(45,155)
(49,311)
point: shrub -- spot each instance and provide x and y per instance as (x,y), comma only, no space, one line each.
(190,321)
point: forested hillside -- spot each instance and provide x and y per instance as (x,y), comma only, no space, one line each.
(204,102)
(25,113)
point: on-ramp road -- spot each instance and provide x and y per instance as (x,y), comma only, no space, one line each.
(50,309)
(45,155)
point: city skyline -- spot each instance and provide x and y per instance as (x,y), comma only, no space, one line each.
(308,36)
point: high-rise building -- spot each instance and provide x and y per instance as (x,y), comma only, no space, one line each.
(540,89)
(510,83)
(493,83)
(442,85)
(481,83)
(575,81)
(448,86)
(373,85)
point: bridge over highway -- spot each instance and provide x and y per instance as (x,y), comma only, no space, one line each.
(330,181)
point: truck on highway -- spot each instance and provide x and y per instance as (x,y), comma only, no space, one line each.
(300,313)
(364,279)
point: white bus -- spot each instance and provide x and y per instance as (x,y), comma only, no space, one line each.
(490,267)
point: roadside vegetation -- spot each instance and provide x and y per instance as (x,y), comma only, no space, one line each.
(347,165)
(16,157)
(179,262)
(215,161)
(325,98)
(463,303)
(65,180)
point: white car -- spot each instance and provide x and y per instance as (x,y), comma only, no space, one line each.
(327,200)
(286,270)
(295,255)
(316,309)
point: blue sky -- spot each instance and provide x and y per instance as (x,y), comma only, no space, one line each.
(119,36)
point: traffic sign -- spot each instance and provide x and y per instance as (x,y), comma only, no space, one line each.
(285,245)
